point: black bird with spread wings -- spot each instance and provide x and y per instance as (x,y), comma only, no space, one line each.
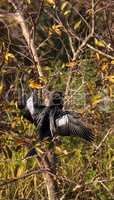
(51,120)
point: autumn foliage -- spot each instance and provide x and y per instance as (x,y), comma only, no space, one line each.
(66,45)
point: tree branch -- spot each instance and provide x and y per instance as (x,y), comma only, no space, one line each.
(18,16)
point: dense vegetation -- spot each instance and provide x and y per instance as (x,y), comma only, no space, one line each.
(66,45)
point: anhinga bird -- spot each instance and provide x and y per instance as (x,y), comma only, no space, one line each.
(51,120)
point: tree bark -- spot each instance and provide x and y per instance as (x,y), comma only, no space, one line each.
(47,162)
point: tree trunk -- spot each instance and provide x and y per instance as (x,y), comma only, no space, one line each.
(48,163)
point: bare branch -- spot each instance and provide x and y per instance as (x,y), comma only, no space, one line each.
(94,182)
(6,182)
(83,44)
(85,41)
(93,48)
(100,52)
(106,188)
(18,16)
(103,140)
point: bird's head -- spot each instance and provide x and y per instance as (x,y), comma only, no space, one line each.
(55,98)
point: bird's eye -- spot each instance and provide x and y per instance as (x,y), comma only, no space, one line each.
(58,95)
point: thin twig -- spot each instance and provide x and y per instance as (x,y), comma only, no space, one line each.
(93,182)
(107,189)
(83,19)
(83,44)
(76,91)
(103,140)
(85,41)
(6,182)
(93,48)
(100,52)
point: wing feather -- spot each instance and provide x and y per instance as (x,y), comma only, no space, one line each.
(68,125)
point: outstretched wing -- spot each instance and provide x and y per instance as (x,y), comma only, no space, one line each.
(68,125)
(30,106)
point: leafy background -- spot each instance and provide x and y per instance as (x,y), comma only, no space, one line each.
(58,28)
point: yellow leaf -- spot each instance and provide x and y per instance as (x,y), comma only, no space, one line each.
(64,4)
(38,149)
(13,125)
(112,62)
(62,67)
(51,2)
(34,85)
(58,32)
(47,68)
(110,91)
(67,12)
(58,150)
(110,78)
(104,67)
(8,56)
(29,1)
(77,25)
(43,79)
(71,64)
(100,43)
(56,28)
(1,86)
(21,169)
(98,56)
(96,99)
